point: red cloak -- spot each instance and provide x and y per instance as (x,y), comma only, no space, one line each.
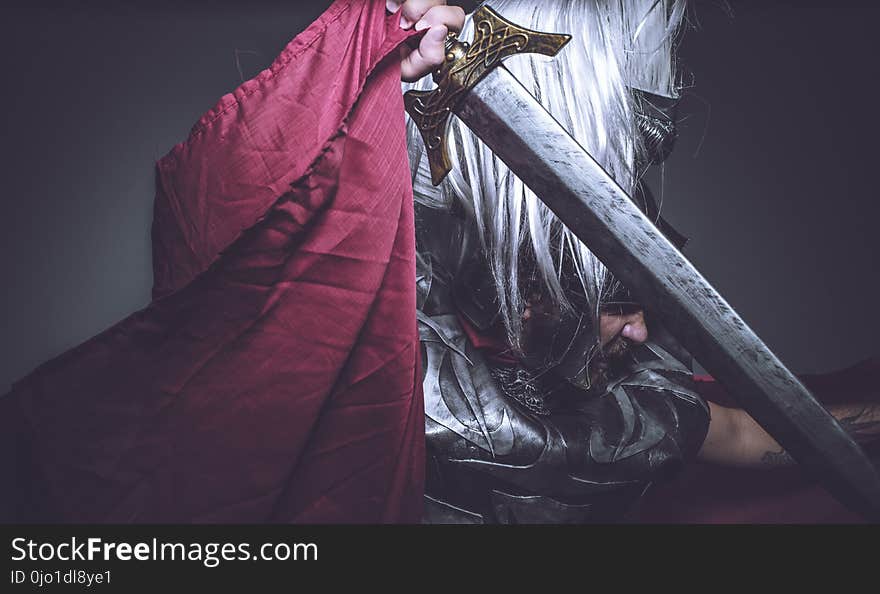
(274,376)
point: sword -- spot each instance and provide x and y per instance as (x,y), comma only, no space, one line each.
(473,85)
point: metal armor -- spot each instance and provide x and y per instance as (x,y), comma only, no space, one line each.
(506,445)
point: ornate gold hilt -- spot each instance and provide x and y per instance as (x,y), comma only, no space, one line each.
(467,64)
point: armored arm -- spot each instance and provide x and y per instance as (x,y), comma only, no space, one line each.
(493,455)
(490,459)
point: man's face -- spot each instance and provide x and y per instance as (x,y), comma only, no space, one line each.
(619,330)
(618,326)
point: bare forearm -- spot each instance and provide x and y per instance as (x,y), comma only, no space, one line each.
(861,421)
(740,441)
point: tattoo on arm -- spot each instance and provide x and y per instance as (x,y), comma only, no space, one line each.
(863,424)
(777,459)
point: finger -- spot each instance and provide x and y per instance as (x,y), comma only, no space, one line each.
(414,10)
(393,5)
(450,16)
(428,56)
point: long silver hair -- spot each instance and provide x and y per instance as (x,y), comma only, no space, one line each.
(617,46)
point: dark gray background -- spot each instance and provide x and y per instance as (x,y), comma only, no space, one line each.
(773,178)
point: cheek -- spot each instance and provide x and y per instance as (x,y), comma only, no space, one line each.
(609,327)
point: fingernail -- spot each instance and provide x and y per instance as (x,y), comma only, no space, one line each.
(422,25)
(405,23)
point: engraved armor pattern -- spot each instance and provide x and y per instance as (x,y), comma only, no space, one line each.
(495,459)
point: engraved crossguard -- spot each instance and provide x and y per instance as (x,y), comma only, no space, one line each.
(467,64)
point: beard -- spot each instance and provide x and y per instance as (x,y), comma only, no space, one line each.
(541,332)
(608,359)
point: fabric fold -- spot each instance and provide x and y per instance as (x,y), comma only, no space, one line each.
(274,375)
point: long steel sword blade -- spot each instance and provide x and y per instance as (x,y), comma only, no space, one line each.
(600,213)
(500,111)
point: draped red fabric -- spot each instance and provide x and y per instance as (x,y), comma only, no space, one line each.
(274,377)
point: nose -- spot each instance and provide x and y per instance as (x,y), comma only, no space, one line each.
(634,328)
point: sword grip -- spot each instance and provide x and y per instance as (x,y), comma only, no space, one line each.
(466,64)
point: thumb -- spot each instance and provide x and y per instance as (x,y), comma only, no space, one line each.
(429,55)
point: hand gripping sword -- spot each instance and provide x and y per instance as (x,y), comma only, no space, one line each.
(473,85)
